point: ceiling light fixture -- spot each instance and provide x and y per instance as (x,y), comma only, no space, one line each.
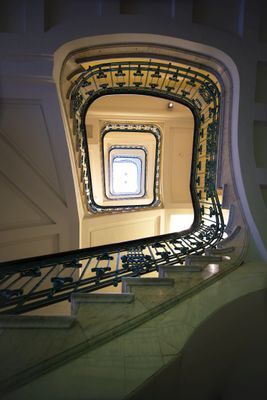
(170,105)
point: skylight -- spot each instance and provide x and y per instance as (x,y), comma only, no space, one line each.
(127,170)
(124,165)
(126,175)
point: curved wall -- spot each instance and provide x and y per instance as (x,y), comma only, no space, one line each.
(30,34)
(225,357)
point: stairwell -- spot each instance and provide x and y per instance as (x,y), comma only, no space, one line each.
(113,342)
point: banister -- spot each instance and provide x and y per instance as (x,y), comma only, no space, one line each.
(36,282)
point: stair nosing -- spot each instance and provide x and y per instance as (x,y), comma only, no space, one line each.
(36,322)
(184,268)
(220,252)
(82,298)
(134,281)
(203,259)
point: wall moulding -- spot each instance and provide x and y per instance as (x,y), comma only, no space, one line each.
(30,114)
(69,57)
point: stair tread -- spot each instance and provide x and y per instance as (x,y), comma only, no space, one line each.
(135,281)
(202,259)
(102,297)
(36,321)
(222,251)
(182,268)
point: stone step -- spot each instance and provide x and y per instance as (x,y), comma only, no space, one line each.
(100,313)
(195,259)
(222,251)
(185,277)
(102,297)
(97,298)
(150,292)
(36,322)
(128,282)
(165,270)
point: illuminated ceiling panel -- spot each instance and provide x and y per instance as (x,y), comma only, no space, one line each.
(124,166)
(127,172)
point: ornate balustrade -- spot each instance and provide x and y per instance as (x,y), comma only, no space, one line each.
(37,282)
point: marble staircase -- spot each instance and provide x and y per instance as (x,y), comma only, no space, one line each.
(49,343)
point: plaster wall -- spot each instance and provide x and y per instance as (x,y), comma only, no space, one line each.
(177,127)
(37,203)
(39,199)
(218,362)
(115,369)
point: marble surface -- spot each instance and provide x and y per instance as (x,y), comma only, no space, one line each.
(25,321)
(117,367)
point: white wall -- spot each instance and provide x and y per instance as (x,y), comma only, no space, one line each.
(37,196)
(177,129)
(37,203)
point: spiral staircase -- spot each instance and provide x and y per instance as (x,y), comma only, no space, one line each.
(169,283)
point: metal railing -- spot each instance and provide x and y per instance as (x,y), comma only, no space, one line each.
(40,281)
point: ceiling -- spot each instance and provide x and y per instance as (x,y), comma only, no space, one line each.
(176,126)
(133,105)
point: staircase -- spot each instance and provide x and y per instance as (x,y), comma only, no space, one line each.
(112,342)
(115,341)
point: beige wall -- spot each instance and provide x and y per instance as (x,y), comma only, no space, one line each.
(37,202)
(31,32)
(177,127)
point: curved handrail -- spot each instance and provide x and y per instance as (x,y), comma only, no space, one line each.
(39,281)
